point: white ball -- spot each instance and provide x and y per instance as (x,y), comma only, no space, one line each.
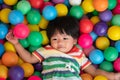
(75,2)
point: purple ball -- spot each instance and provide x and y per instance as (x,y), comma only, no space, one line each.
(58,1)
(16,73)
(100,28)
(105,16)
(6,6)
(38,67)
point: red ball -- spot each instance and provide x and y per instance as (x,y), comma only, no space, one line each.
(21,31)
(116,10)
(34,78)
(86,26)
(117,64)
(36,3)
(118,1)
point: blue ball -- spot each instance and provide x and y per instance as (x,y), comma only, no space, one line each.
(49,12)
(117,45)
(96,56)
(1,1)
(93,35)
(15,17)
(3,30)
(2,49)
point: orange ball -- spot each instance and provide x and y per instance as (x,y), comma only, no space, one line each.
(100,5)
(86,76)
(28,69)
(9,58)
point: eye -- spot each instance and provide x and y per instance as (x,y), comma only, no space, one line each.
(65,38)
(54,39)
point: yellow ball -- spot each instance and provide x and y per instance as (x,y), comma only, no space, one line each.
(102,43)
(3,71)
(9,47)
(45,38)
(100,77)
(62,9)
(114,33)
(33,27)
(95,19)
(4,15)
(89,7)
(10,2)
(43,23)
(20,61)
(28,69)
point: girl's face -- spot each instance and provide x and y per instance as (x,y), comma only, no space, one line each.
(62,42)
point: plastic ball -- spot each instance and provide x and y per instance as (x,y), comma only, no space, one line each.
(106,15)
(38,67)
(9,46)
(9,58)
(43,23)
(4,15)
(52,12)
(3,72)
(62,9)
(86,76)
(57,1)
(24,6)
(117,45)
(75,2)
(100,5)
(3,30)
(36,3)
(28,69)
(89,7)
(20,61)
(110,54)
(16,73)
(10,2)
(106,66)
(35,37)
(15,17)
(86,26)
(114,33)
(100,77)
(33,48)
(2,41)
(37,73)
(95,19)
(76,11)
(96,56)
(24,43)
(85,40)
(2,49)
(116,10)
(116,65)
(21,31)
(33,27)
(102,43)
(115,20)
(112,4)
(100,28)
(45,38)
(93,35)
(33,16)
(34,78)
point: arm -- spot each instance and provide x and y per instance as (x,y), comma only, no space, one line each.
(94,72)
(23,53)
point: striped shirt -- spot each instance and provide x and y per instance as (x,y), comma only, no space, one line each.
(61,66)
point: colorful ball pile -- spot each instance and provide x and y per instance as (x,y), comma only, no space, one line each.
(99,28)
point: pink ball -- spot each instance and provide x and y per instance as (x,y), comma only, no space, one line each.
(85,40)
(57,1)
(117,64)
(21,31)
(116,10)
(34,78)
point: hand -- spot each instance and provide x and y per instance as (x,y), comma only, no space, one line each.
(117,76)
(11,38)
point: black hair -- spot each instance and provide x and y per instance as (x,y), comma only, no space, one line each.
(65,24)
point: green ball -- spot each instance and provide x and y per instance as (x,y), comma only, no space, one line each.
(110,54)
(76,11)
(24,42)
(37,73)
(33,16)
(33,48)
(107,66)
(35,38)
(112,4)
(95,13)
(24,6)
(116,19)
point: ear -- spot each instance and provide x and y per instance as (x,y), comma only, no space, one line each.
(75,41)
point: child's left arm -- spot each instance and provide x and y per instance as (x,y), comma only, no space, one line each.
(94,72)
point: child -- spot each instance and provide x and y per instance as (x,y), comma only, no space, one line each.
(63,58)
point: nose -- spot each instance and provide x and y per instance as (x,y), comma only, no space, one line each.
(60,42)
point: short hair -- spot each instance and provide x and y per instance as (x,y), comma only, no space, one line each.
(65,24)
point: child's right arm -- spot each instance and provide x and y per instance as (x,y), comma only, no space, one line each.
(23,53)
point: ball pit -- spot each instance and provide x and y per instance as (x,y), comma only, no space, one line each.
(102,27)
